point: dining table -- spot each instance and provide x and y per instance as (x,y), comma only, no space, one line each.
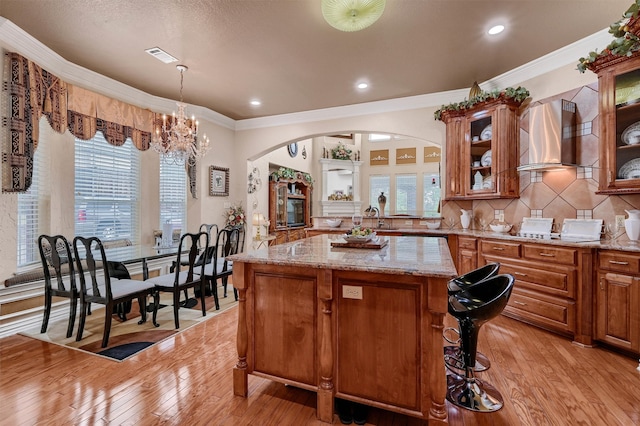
(128,255)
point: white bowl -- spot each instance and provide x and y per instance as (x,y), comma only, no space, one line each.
(501,227)
(334,223)
(433,223)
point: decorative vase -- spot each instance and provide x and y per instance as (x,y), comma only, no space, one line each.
(382,201)
(632,225)
(465,218)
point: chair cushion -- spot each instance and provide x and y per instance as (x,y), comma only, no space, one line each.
(121,288)
(168,280)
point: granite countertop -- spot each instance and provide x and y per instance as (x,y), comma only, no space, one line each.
(402,256)
(621,243)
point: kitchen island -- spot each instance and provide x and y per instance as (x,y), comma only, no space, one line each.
(363,325)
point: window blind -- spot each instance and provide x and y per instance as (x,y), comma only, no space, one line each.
(106,189)
(29,208)
(406,192)
(173,195)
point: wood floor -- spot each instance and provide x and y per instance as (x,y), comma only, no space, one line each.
(187,380)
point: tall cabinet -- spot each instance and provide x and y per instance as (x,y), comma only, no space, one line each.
(482,150)
(619,107)
(289,208)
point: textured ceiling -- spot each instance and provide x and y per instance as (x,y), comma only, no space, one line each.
(284,53)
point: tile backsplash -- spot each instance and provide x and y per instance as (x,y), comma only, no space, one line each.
(566,194)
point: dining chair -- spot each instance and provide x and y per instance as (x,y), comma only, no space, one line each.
(59,277)
(98,286)
(182,279)
(219,267)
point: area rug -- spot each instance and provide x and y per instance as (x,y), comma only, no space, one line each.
(129,338)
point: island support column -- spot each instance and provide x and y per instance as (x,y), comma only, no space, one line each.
(324,410)
(240,375)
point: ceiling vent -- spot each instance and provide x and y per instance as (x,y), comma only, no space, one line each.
(161,55)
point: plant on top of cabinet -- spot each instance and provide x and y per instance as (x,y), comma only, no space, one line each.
(482,145)
(626,33)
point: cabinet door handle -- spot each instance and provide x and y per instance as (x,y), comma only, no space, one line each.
(520,273)
(498,248)
(618,262)
(547,254)
(601,283)
(515,302)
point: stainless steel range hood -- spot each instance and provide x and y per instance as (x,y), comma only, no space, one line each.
(552,136)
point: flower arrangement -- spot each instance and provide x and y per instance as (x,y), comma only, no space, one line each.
(626,42)
(517,94)
(235,215)
(341,152)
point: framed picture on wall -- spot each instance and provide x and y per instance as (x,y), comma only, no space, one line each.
(218,181)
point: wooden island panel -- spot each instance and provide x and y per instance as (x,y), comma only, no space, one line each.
(362,325)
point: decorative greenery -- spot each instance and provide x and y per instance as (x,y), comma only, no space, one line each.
(518,94)
(341,152)
(235,215)
(288,173)
(624,44)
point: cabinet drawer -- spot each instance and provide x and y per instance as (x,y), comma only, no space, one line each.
(619,262)
(467,243)
(495,248)
(558,281)
(547,311)
(550,254)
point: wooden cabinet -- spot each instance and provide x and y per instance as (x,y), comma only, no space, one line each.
(618,300)
(547,281)
(467,254)
(482,150)
(289,209)
(619,107)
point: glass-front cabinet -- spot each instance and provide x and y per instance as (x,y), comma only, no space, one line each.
(619,92)
(482,151)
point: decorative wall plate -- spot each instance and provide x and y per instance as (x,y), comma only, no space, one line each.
(486,133)
(630,169)
(486,159)
(631,135)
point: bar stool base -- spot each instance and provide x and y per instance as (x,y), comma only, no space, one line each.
(454,362)
(473,394)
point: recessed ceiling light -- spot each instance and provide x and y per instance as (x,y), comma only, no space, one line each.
(496,29)
(362,85)
(255,102)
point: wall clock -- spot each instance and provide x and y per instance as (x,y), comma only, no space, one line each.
(293,149)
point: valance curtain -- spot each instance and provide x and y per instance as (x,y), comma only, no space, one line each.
(33,92)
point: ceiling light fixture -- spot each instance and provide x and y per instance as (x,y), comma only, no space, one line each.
(362,86)
(496,29)
(176,140)
(352,15)
(255,102)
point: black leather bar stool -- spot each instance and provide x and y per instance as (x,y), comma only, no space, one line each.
(472,308)
(452,353)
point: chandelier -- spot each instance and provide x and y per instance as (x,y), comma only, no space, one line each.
(176,139)
(352,15)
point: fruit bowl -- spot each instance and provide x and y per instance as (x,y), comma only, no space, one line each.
(333,223)
(359,235)
(500,227)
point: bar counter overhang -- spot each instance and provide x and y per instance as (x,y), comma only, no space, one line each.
(359,324)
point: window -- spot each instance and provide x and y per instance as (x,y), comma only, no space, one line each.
(173,194)
(431,194)
(106,189)
(406,194)
(377,185)
(29,207)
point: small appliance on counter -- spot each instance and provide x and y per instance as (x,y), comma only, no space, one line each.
(536,227)
(581,230)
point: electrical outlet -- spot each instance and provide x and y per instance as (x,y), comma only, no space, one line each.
(352,292)
(620,220)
